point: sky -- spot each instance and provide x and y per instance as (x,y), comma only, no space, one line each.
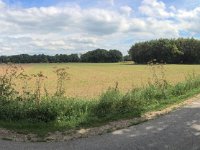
(77,26)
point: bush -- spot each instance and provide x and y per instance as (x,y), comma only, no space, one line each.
(130,103)
(112,103)
(107,103)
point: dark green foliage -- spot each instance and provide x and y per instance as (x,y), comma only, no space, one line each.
(102,55)
(115,56)
(24,58)
(99,55)
(180,50)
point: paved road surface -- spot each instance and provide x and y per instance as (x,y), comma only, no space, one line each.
(179,130)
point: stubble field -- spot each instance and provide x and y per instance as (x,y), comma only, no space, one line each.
(88,80)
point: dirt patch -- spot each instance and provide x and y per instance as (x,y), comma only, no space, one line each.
(82,133)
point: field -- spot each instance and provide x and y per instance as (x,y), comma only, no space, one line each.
(90,80)
(29,111)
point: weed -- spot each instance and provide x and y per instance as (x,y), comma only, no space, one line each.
(39,79)
(158,77)
(62,76)
(26,90)
(7,80)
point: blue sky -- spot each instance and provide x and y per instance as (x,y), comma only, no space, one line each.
(85,3)
(187,4)
(76,26)
(31,3)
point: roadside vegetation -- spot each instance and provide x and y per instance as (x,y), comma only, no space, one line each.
(38,110)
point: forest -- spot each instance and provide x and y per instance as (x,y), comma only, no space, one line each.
(170,51)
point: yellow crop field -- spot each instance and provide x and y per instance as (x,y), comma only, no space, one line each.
(90,79)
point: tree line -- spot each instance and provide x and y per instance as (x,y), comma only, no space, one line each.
(172,51)
(96,56)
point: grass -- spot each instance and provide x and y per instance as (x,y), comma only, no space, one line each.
(41,128)
(96,78)
(45,114)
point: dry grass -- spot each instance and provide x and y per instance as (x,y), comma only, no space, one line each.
(89,80)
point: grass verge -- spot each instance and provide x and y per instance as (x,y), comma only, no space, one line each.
(62,113)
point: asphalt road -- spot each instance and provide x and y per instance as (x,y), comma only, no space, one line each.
(179,130)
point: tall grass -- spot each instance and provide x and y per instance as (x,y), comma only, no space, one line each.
(31,106)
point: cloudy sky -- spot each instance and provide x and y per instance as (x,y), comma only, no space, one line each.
(76,26)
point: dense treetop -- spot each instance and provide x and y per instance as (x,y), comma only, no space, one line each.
(176,51)
(25,58)
(98,55)
(101,55)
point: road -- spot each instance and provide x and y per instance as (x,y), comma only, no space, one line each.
(178,130)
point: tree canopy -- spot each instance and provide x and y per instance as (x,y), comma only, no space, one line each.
(177,51)
(95,56)
(102,55)
(25,58)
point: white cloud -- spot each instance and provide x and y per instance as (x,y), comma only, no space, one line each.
(2,4)
(66,29)
(190,20)
(112,2)
(126,10)
(154,8)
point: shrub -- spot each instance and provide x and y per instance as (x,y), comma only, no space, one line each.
(112,103)
(107,103)
(130,103)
